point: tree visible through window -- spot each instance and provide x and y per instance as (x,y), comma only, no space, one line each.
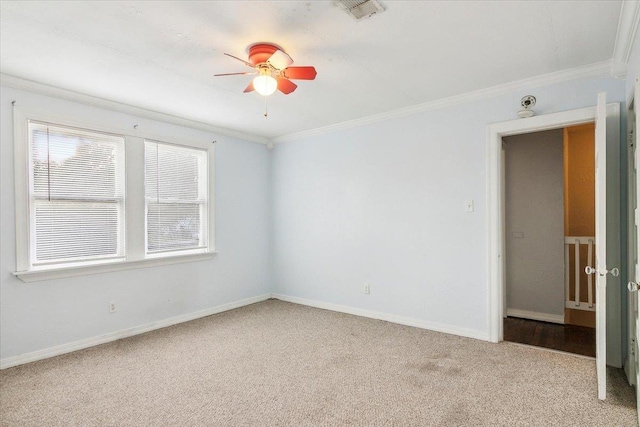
(76,194)
(176,197)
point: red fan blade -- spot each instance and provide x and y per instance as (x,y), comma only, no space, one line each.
(248,64)
(286,86)
(300,73)
(280,60)
(249,88)
(233,74)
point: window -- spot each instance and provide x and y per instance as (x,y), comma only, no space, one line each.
(91,198)
(176,197)
(76,194)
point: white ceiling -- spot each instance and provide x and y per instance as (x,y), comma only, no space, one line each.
(162,56)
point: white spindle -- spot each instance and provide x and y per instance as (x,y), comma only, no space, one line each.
(567,273)
(577,272)
(576,241)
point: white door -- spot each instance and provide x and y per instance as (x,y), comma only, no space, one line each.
(633,284)
(636,149)
(601,245)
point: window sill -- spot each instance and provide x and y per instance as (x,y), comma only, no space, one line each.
(59,273)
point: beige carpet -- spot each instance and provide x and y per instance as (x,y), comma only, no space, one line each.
(281,364)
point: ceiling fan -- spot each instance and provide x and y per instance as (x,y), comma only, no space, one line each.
(272,67)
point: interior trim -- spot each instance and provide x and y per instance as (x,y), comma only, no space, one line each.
(627,27)
(534,315)
(393,318)
(46,353)
(69,95)
(592,70)
(108,267)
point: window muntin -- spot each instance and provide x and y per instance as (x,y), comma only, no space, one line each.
(176,198)
(131,210)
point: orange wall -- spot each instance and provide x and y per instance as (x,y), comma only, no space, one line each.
(579,181)
(579,206)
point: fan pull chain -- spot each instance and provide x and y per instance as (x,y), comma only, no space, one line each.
(266,113)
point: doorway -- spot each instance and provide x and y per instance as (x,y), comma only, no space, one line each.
(495,243)
(549,238)
(632,364)
(608,313)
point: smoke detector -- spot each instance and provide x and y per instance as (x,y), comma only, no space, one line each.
(527,103)
(360,9)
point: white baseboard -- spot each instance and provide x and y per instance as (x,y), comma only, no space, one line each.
(534,315)
(408,321)
(8,362)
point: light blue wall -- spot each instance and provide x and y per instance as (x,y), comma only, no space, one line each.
(316,218)
(384,204)
(39,315)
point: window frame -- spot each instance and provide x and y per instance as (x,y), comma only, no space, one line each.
(33,201)
(204,225)
(134,203)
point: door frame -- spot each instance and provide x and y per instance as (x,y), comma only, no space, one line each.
(630,365)
(495,185)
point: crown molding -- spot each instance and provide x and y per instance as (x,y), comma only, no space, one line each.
(618,70)
(596,69)
(627,27)
(69,95)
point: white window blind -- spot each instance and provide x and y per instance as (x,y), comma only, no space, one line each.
(176,193)
(76,194)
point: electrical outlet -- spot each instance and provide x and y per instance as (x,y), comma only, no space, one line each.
(112,307)
(468,206)
(367,288)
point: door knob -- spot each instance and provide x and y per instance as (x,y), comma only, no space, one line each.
(632,286)
(614,271)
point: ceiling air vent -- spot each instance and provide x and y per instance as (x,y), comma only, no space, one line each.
(360,9)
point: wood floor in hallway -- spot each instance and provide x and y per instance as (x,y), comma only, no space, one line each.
(569,338)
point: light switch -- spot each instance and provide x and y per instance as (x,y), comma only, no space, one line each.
(517,234)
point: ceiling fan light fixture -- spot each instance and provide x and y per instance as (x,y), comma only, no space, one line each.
(265,85)
(273,70)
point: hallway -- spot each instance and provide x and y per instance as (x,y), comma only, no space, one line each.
(568,338)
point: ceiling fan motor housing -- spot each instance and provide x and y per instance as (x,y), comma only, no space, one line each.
(259,53)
